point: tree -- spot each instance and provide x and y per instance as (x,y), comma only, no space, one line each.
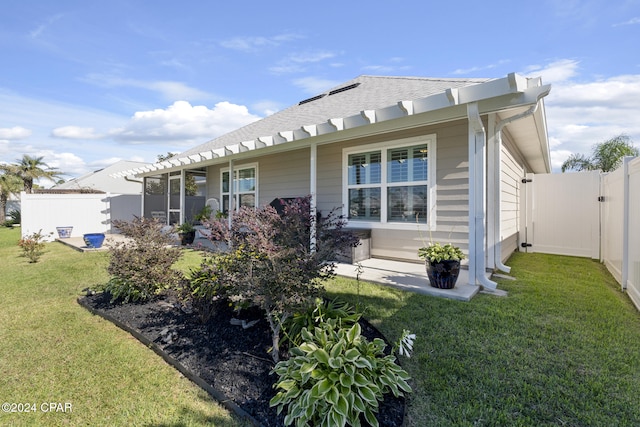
(9,184)
(29,169)
(606,156)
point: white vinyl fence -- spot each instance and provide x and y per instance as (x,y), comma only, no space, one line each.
(621,226)
(86,213)
(587,214)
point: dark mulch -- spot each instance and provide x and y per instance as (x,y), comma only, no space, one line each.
(232,360)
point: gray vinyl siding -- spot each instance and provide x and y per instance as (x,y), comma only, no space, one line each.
(283,175)
(512,172)
(286,174)
(452,180)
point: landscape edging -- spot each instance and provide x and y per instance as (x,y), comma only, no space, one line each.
(216,394)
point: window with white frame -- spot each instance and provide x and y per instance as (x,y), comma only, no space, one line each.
(390,183)
(244,189)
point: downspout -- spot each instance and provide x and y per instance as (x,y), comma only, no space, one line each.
(497,180)
(313,188)
(477,204)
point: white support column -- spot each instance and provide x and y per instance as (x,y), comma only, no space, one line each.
(477,202)
(313,180)
(183,194)
(232,205)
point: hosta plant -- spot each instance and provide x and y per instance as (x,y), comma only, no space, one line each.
(321,311)
(336,377)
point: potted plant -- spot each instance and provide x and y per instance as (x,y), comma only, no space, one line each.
(443,264)
(187,233)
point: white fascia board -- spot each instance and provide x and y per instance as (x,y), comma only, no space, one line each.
(513,83)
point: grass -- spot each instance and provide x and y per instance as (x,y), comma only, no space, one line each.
(562,349)
(52,350)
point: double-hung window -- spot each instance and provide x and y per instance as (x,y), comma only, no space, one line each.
(392,182)
(244,187)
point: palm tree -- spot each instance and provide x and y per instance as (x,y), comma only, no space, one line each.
(29,169)
(607,156)
(9,184)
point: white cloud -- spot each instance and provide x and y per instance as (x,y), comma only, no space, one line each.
(169,90)
(75,132)
(184,124)
(582,114)
(558,71)
(475,69)
(14,133)
(295,62)
(315,85)
(632,21)
(249,43)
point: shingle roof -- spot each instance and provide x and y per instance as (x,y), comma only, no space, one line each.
(361,93)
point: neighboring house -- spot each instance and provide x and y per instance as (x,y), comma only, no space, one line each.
(411,159)
(102,180)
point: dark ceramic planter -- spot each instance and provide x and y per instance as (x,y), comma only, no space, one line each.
(187,238)
(443,274)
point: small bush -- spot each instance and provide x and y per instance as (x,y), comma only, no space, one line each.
(344,313)
(15,216)
(336,377)
(33,245)
(204,287)
(141,267)
(272,263)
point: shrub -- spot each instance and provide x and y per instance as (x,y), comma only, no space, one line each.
(141,267)
(336,376)
(33,245)
(15,216)
(271,262)
(204,287)
(344,313)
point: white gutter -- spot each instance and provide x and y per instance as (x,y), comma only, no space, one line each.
(477,203)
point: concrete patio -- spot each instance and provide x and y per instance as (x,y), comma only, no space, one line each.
(402,275)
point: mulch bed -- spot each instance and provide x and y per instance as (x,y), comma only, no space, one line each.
(230,362)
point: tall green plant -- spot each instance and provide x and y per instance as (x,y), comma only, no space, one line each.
(31,168)
(606,156)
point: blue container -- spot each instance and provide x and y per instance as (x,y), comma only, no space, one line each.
(94,240)
(64,232)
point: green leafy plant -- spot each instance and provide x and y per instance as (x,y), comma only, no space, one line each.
(344,313)
(436,252)
(336,377)
(33,245)
(203,288)
(186,227)
(141,266)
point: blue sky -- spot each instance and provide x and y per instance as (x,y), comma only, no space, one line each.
(86,83)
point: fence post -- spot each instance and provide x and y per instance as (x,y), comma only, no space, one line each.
(625,222)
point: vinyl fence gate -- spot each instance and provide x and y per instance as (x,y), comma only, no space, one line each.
(560,214)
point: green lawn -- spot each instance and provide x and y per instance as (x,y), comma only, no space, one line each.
(562,349)
(52,350)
